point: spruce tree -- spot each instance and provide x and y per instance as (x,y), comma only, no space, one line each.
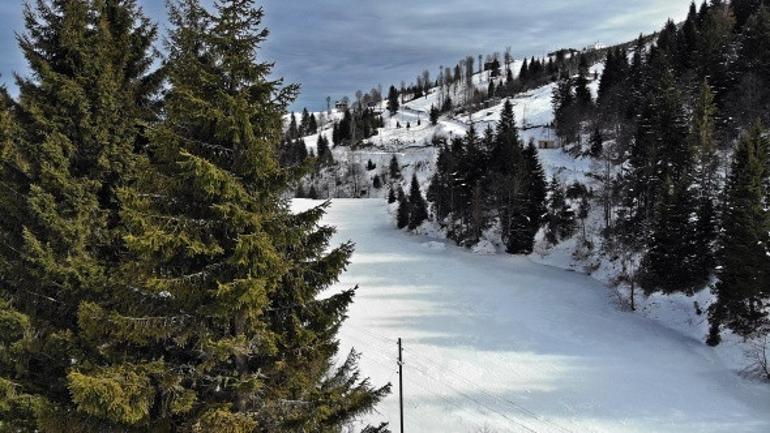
(536,189)
(325,156)
(583,97)
(524,72)
(434,115)
(212,321)
(293,132)
(744,271)
(561,217)
(565,109)
(667,265)
(402,216)
(391,196)
(393,103)
(312,194)
(304,126)
(77,134)
(703,142)
(505,156)
(418,209)
(394,169)
(597,143)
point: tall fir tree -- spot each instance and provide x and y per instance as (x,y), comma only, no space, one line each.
(565,109)
(78,132)
(393,103)
(536,190)
(667,264)
(212,322)
(402,214)
(325,156)
(744,258)
(418,209)
(704,147)
(583,97)
(561,218)
(394,169)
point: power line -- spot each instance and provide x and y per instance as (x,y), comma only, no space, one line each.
(428,364)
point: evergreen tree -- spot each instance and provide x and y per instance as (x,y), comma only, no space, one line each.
(536,189)
(71,142)
(714,48)
(391,196)
(312,194)
(564,108)
(743,10)
(393,103)
(561,217)
(505,157)
(744,272)
(395,168)
(667,265)
(583,97)
(402,217)
(300,192)
(304,126)
(325,156)
(418,209)
(705,148)
(524,72)
(751,69)
(293,131)
(434,115)
(441,190)
(597,143)
(211,322)
(688,41)
(660,150)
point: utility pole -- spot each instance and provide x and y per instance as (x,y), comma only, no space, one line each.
(400,386)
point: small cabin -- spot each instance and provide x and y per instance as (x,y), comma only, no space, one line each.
(375,108)
(547,144)
(341,105)
(493,67)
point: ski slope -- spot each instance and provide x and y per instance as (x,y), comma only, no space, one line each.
(502,343)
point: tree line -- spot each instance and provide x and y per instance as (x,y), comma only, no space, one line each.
(670,117)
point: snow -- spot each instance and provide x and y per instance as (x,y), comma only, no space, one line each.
(503,342)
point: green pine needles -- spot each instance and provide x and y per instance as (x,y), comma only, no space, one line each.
(152,277)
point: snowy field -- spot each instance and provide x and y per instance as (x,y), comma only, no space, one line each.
(507,345)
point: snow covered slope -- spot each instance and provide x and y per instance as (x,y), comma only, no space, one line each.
(412,146)
(505,343)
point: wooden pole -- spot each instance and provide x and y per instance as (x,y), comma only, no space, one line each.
(400,385)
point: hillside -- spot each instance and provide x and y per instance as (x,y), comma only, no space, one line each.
(363,169)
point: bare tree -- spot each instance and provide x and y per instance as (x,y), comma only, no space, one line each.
(759,354)
(508,58)
(468,80)
(359,95)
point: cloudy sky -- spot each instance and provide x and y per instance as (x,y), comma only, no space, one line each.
(334,47)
